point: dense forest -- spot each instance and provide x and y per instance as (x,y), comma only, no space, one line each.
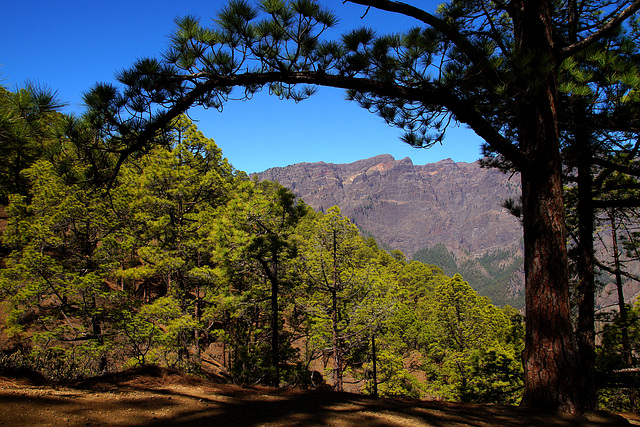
(185,262)
(182,261)
(491,274)
(129,239)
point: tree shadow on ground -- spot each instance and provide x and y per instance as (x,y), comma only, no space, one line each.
(166,398)
(313,408)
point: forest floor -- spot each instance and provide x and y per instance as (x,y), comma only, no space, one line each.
(158,397)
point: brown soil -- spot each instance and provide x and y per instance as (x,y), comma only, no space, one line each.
(158,397)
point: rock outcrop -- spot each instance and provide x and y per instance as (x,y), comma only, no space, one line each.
(409,207)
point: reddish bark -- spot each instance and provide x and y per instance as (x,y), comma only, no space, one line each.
(550,357)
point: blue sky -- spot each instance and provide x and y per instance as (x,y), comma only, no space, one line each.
(69,45)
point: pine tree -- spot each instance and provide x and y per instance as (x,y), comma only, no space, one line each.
(29,124)
(335,265)
(493,66)
(596,90)
(55,278)
(163,201)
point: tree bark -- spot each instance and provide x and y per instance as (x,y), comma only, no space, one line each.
(585,328)
(273,278)
(374,362)
(337,351)
(337,359)
(550,358)
(624,322)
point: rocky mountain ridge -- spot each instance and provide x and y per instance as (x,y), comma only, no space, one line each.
(409,207)
(445,213)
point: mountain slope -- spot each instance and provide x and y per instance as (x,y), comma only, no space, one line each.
(409,207)
(416,208)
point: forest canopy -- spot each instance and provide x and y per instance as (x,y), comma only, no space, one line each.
(188,263)
(550,86)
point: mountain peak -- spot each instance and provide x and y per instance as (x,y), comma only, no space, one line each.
(409,206)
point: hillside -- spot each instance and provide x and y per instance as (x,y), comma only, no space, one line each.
(419,208)
(409,207)
(446,213)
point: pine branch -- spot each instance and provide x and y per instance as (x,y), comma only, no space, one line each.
(603,32)
(426,94)
(450,32)
(630,202)
(614,271)
(625,169)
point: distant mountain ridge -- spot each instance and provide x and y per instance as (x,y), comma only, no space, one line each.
(409,207)
(445,213)
(415,207)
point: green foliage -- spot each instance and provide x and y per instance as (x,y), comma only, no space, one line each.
(336,267)
(258,243)
(29,130)
(480,63)
(183,254)
(81,259)
(394,379)
(437,255)
(56,363)
(490,275)
(164,198)
(158,333)
(618,389)
(469,355)
(54,276)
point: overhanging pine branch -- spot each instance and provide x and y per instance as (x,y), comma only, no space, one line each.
(614,271)
(604,31)
(426,95)
(625,169)
(450,32)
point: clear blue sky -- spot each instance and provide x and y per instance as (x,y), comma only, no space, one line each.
(69,45)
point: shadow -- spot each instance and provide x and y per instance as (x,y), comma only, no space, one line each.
(322,408)
(163,399)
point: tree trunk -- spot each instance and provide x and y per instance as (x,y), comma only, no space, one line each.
(97,332)
(337,360)
(624,319)
(585,329)
(624,322)
(550,358)
(275,329)
(272,277)
(374,362)
(196,331)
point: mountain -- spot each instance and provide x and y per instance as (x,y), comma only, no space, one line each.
(421,209)
(409,207)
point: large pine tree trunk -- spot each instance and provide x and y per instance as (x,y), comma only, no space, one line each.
(550,357)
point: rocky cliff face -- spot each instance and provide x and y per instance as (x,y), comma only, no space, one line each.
(409,207)
(446,213)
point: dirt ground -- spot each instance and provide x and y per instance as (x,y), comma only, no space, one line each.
(158,397)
